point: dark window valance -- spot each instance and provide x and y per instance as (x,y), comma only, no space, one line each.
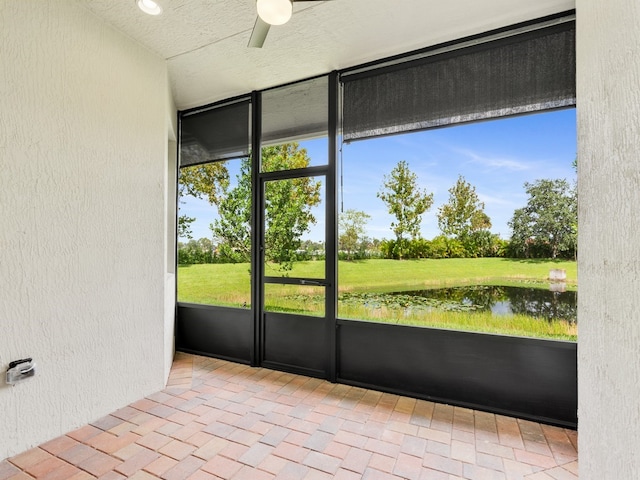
(522,73)
(216,134)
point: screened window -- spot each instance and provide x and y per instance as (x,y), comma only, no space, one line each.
(214,231)
(295,116)
(440,226)
(295,138)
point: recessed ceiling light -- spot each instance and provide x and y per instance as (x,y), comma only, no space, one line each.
(275,12)
(149,6)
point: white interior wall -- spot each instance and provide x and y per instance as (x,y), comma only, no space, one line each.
(170,257)
(170,231)
(608,46)
(83,175)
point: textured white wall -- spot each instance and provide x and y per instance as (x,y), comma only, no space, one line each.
(608,44)
(83,162)
(170,250)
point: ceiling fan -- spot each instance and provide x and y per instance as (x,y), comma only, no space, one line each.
(271,12)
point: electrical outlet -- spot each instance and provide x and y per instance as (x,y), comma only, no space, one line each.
(20,370)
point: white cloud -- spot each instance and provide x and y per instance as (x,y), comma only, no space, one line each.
(496,200)
(494,162)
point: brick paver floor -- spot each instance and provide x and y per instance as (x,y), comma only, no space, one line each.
(218,419)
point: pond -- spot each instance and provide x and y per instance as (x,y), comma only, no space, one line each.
(500,301)
(535,302)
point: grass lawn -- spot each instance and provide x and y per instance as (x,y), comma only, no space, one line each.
(397,275)
(229,284)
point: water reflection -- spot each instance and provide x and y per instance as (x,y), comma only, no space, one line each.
(535,302)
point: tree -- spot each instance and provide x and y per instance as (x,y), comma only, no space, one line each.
(288,217)
(548,220)
(288,205)
(184,226)
(405,201)
(464,219)
(232,228)
(464,213)
(208,180)
(351,226)
(196,251)
(200,181)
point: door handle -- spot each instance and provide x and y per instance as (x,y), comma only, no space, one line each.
(315,283)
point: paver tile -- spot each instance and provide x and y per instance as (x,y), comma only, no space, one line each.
(184,469)
(356,460)
(137,462)
(154,440)
(234,450)
(113,475)
(222,467)
(292,471)
(30,458)
(107,422)
(202,475)
(160,466)
(443,464)
(291,452)
(465,452)
(273,464)
(481,473)
(211,448)
(218,420)
(408,466)
(83,434)
(77,454)
(99,464)
(343,474)
(534,459)
(64,472)
(59,445)
(45,467)
(256,454)
(177,449)
(322,462)
(382,463)
(142,475)
(129,451)
(7,470)
(109,443)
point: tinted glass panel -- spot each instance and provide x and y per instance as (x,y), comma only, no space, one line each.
(296,115)
(215,134)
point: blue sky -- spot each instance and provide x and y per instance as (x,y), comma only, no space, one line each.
(497,157)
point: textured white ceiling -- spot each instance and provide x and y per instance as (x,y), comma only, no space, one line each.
(205,41)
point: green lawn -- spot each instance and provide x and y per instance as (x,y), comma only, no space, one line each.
(228,284)
(215,284)
(394,275)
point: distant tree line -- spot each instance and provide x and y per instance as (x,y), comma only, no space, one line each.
(546,227)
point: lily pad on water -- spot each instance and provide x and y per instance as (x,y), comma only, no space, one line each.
(404,301)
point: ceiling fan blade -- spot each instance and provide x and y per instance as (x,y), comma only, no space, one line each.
(259,33)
